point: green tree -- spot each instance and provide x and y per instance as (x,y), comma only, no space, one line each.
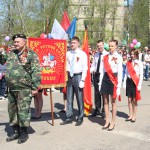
(139,21)
(29,16)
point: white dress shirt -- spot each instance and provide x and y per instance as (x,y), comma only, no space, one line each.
(115,62)
(138,67)
(141,57)
(80,62)
(95,61)
(147,58)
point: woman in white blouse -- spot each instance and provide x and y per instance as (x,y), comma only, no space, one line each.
(132,83)
(111,82)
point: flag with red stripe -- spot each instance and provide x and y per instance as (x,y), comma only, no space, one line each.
(87,88)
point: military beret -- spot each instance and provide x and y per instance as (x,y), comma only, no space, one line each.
(18,36)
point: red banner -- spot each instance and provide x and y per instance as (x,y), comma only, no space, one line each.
(52,56)
(87,89)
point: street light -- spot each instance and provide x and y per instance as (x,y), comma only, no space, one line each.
(126,4)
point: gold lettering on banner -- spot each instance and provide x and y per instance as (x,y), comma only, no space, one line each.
(45,78)
(48,47)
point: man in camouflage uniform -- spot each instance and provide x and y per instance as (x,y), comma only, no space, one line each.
(23,76)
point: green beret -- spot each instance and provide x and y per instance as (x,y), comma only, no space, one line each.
(18,36)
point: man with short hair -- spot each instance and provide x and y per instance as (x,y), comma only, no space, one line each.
(77,71)
(23,76)
(96,69)
(147,63)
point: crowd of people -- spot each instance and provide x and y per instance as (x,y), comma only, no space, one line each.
(144,57)
(20,76)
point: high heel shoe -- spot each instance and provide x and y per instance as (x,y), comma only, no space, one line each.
(110,129)
(133,120)
(104,128)
(127,119)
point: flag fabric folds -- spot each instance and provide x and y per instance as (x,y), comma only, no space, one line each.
(58,32)
(87,88)
(72,28)
(65,23)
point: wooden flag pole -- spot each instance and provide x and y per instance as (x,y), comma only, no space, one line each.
(51,97)
(52,109)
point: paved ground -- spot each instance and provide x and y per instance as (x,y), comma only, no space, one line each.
(89,136)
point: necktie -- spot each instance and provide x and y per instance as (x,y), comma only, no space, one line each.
(72,64)
(98,64)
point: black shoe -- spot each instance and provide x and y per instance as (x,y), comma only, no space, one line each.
(67,121)
(63,111)
(5,95)
(34,117)
(96,112)
(110,129)
(104,128)
(127,119)
(133,120)
(15,134)
(12,137)
(23,135)
(79,122)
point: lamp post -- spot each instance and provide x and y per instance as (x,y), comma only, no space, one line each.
(126,4)
(128,21)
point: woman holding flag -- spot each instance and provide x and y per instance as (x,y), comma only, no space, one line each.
(132,83)
(111,82)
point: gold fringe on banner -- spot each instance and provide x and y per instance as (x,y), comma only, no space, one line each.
(46,86)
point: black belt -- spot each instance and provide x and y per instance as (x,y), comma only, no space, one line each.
(75,74)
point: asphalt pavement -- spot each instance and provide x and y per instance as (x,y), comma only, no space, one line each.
(88,136)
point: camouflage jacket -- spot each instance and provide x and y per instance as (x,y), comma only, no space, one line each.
(22,74)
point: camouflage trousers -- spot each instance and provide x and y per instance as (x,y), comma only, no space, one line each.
(19,107)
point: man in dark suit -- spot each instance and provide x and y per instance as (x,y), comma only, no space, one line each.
(96,69)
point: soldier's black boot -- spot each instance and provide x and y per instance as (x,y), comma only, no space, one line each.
(15,134)
(23,135)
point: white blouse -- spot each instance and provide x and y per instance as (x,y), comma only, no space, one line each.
(115,62)
(138,67)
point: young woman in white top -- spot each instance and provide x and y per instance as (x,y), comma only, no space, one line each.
(133,83)
(111,82)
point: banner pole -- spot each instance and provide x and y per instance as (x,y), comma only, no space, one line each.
(52,109)
(51,97)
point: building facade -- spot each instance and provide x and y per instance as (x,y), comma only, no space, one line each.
(104,18)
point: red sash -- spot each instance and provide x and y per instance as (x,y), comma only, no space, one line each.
(112,77)
(45,93)
(135,79)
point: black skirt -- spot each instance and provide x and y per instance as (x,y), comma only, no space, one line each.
(130,88)
(107,86)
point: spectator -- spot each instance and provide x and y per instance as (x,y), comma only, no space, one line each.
(2,73)
(124,57)
(147,63)
(38,104)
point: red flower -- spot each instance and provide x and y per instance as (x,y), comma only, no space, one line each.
(136,64)
(114,59)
